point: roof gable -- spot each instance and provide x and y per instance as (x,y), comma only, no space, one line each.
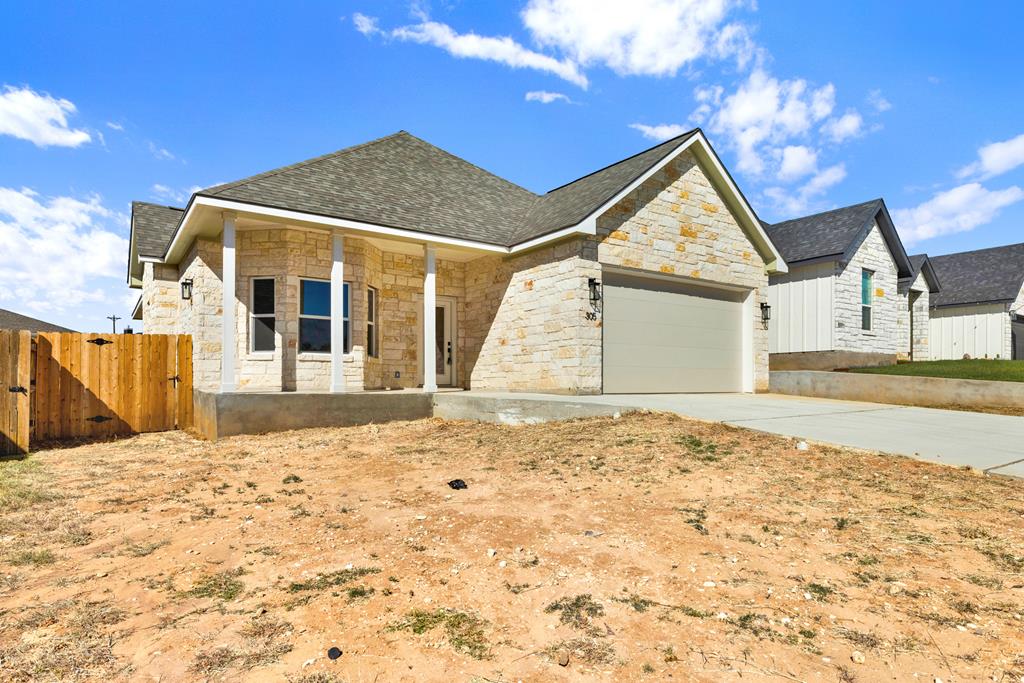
(921,265)
(838,234)
(994,275)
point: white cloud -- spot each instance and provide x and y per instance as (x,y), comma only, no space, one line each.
(114,126)
(167,193)
(797,162)
(995,159)
(364,24)
(797,202)
(69,251)
(546,97)
(38,118)
(159,152)
(763,115)
(849,125)
(960,209)
(878,101)
(640,37)
(660,132)
(503,50)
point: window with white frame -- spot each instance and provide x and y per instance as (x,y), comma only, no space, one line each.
(866,284)
(262,316)
(315,316)
(371,322)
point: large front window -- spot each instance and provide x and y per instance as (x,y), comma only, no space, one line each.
(315,316)
(866,281)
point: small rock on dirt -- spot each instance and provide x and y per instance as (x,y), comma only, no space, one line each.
(334,652)
(491,552)
(458,484)
(563,658)
(858,657)
(802,445)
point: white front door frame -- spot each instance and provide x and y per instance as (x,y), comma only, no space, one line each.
(446,374)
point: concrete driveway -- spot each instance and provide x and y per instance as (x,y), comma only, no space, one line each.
(993,443)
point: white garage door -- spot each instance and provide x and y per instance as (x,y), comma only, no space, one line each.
(665,337)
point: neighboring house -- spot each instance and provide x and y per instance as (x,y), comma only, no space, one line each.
(978,312)
(838,306)
(913,320)
(645,276)
(9,320)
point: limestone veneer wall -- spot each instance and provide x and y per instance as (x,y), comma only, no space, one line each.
(883,337)
(401,310)
(200,315)
(525,322)
(676,223)
(918,289)
(160,296)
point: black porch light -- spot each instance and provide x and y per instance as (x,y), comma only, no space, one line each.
(766,313)
(186,289)
(595,291)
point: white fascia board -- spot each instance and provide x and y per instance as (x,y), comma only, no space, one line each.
(589,224)
(580,229)
(777,265)
(137,309)
(344,223)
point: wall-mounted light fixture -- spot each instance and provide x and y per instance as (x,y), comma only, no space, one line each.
(595,291)
(186,289)
(766,314)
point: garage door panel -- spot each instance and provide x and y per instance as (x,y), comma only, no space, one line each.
(662,336)
(694,381)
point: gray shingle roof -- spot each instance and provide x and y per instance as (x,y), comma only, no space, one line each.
(401,181)
(397,181)
(919,263)
(569,204)
(823,234)
(9,320)
(154,225)
(983,276)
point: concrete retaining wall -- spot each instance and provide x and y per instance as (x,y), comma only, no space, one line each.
(916,391)
(220,415)
(829,360)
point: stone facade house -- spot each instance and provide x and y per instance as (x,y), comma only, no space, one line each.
(839,305)
(979,313)
(913,321)
(394,264)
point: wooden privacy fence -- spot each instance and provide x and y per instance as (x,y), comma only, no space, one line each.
(97,385)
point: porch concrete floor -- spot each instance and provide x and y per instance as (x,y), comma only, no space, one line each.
(988,442)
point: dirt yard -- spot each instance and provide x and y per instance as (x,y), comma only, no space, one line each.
(643,548)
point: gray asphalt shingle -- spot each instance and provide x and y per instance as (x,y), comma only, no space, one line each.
(9,320)
(154,225)
(823,234)
(983,276)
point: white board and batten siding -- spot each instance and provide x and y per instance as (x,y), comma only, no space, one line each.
(977,331)
(803,309)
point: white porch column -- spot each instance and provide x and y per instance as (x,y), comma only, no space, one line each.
(338,313)
(227,318)
(429,323)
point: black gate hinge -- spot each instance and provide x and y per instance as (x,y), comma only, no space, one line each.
(99,341)
(18,390)
(98,418)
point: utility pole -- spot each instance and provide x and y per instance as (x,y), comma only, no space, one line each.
(113,319)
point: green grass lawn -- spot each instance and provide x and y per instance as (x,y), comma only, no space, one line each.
(995,370)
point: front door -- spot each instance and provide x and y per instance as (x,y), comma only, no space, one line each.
(444,344)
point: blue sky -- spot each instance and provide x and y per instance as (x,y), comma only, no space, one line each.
(811,105)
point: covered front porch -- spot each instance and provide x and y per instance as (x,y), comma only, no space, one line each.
(301,307)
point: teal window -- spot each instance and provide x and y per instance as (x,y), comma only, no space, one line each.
(315,316)
(866,285)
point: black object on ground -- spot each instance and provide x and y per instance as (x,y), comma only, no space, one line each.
(334,653)
(458,484)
